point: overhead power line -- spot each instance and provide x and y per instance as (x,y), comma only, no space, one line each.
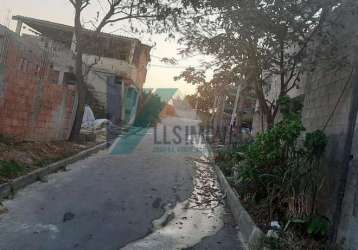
(168,66)
(173,66)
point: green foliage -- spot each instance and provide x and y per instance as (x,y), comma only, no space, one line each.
(256,38)
(315,143)
(268,159)
(273,146)
(274,243)
(290,106)
(10,170)
(294,235)
(318,226)
(207,91)
(280,165)
(192,76)
(226,159)
(315,226)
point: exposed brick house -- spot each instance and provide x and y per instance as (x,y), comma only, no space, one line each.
(119,65)
(37,81)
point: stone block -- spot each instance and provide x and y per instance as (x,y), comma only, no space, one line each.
(256,239)
(23,181)
(5,191)
(246,225)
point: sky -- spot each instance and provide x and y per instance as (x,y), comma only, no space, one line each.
(160,75)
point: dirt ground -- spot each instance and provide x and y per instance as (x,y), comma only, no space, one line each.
(19,158)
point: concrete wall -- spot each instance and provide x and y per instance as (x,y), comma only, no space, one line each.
(31,108)
(136,71)
(111,65)
(328,95)
(112,97)
(328,92)
(133,77)
(97,82)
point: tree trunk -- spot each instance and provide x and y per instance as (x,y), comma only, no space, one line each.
(270,121)
(212,118)
(255,77)
(239,117)
(234,116)
(218,118)
(80,84)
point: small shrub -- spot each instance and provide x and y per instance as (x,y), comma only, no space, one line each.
(274,243)
(318,227)
(281,170)
(315,144)
(9,170)
(284,172)
(315,226)
(227,159)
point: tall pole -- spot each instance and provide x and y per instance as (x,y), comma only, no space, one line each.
(234,111)
(233,115)
(196,105)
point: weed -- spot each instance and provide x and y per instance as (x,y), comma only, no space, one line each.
(9,170)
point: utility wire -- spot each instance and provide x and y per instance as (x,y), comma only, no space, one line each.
(168,66)
(346,85)
(172,67)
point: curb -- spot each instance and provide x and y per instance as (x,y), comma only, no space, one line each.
(9,189)
(251,236)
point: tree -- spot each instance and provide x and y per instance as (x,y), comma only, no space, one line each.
(266,40)
(155,15)
(212,96)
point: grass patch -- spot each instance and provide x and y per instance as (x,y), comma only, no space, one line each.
(10,169)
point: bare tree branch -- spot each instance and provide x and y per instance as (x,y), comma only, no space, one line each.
(85,4)
(294,84)
(72,2)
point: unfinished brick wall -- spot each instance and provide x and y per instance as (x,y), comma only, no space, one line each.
(31,108)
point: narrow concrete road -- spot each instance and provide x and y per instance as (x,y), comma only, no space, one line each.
(109,200)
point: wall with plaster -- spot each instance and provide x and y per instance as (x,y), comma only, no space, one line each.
(327,105)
